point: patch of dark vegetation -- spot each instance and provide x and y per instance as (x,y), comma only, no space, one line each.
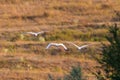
(110,57)
(75,74)
(117,15)
(21,63)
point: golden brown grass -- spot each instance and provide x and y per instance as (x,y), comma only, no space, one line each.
(23,56)
(32,58)
(38,67)
(32,12)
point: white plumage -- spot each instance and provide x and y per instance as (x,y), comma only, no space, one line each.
(79,47)
(35,33)
(57,45)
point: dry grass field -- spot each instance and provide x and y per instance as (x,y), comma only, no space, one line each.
(24,57)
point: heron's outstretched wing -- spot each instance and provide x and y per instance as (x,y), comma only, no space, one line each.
(75,45)
(83,46)
(30,32)
(51,44)
(40,32)
(63,46)
(48,46)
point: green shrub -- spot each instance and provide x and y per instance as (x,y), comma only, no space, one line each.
(110,59)
(73,34)
(75,74)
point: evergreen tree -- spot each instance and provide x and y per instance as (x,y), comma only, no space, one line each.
(75,74)
(110,60)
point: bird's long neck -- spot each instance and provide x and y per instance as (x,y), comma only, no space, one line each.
(36,34)
(75,45)
(83,46)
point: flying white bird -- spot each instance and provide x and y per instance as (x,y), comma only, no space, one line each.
(35,33)
(79,47)
(57,45)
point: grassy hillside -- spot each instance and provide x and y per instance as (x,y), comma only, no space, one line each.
(19,16)
(24,57)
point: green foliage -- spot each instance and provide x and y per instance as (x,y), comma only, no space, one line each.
(75,74)
(41,39)
(11,48)
(21,37)
(110,60)
(117,16)
(31,38)
(58,35)
(70,34)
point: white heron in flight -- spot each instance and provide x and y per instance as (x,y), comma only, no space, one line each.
(57,45)
(35,33)
(79,47)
